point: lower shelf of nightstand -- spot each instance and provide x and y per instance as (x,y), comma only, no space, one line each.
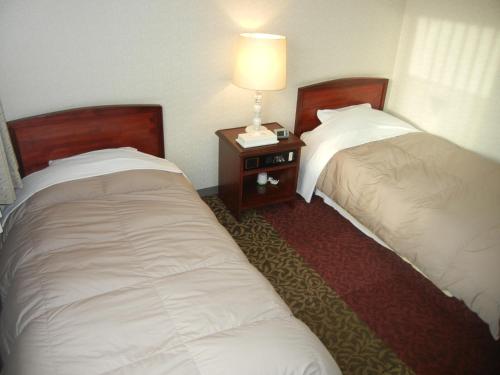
(255,195)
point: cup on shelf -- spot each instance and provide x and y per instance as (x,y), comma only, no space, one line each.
(262,178)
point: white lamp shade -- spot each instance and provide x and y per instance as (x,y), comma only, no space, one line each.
(261,62)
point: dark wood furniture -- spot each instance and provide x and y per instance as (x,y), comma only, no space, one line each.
(238,187)
(336,94)
(39,139)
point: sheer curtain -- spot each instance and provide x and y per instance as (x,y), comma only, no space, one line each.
(9,171)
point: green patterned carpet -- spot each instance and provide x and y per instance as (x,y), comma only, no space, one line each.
(353,345)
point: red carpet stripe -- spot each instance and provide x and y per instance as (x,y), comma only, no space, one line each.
(432,333)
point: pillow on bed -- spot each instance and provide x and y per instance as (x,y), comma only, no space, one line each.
(325,114)
(366,125)
(96,155)
(354,127)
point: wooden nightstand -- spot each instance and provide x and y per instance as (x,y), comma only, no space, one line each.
(239,167)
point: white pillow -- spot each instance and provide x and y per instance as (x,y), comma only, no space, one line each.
(357,126)
(325,114)
(96,155)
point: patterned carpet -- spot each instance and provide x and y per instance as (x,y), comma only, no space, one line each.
(371,310)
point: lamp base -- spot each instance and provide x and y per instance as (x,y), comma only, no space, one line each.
(254,129)
(257,107)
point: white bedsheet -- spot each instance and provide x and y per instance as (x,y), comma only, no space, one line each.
(343,130)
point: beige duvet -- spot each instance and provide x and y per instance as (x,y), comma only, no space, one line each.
(130,273)
(435,204)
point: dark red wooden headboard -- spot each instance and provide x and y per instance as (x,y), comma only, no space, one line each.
(39,139)
(336,94)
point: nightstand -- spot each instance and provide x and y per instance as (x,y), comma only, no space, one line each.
(239,167)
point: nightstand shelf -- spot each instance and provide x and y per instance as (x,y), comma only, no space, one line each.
(238,186)
(255,195)
(269,170)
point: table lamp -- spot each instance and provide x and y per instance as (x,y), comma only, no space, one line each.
(260,66)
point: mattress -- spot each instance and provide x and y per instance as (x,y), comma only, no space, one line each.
(130,273)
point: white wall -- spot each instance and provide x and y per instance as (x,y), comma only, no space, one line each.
(447,74)
(59,54)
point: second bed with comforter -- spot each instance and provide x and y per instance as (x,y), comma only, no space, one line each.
(434,203)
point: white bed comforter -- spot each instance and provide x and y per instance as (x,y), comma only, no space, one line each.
(130,273)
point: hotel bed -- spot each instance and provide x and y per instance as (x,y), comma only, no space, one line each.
(111,264)
(435,204)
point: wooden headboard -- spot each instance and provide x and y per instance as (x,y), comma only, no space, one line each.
(39,139)
(336,94)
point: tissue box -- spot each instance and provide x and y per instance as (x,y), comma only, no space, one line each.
(262,137)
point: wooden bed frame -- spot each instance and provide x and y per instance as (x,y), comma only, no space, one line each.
(38,139)
(336,94)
